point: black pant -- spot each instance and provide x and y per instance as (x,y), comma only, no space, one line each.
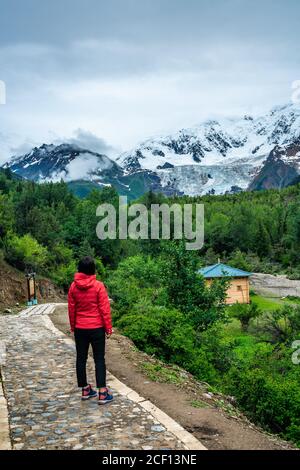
(83,339)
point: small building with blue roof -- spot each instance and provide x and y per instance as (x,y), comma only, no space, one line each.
(238,290)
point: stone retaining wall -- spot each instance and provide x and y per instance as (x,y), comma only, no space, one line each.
(274,286)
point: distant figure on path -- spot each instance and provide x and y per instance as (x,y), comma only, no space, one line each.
(90,320)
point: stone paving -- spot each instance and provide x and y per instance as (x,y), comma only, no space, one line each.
(45,411)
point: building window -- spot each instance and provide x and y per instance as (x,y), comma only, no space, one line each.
(239,288)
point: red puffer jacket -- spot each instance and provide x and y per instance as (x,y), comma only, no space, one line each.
(88,304)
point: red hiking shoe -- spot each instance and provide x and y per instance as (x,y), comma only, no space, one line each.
(88,392)
(105,397)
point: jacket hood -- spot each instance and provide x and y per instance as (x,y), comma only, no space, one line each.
(84,281)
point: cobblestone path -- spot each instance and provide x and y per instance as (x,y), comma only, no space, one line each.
(45,411)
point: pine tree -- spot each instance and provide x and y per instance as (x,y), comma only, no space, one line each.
(263,241)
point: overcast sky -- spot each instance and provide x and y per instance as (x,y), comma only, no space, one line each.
(107,74)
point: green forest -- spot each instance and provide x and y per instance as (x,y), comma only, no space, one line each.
(162,303)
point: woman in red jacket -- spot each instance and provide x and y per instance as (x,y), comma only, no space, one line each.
(90,320)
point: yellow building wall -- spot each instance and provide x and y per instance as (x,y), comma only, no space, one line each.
(238,291)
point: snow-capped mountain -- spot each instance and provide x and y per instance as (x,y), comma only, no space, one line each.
(280,169)
(220,156)
(82,169)
(215,157)
(65,161)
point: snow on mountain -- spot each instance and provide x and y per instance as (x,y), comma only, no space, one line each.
(216,156)
(82,169)
(281,168)
(56,162)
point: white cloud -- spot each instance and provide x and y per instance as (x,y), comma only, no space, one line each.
(82,166)
(87,140)
(116,80)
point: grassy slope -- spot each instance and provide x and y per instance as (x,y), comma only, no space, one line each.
(246,340)
(267,303)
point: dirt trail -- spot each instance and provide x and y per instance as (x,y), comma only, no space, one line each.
(210,424)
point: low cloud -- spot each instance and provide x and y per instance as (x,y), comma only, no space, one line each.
(82,167)
(89,141)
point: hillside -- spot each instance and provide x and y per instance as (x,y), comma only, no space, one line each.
(14,288)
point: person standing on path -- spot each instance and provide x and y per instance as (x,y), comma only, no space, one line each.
(90,320)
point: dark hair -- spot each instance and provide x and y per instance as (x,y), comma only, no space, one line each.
(87,266)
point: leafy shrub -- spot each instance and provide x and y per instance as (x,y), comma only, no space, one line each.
(136,278)
(245,313)
(61,254)
(202,368)
(240,260)
(270,401)
(293,273)
(187,291)
(100,269)
(217,347)
(26,253)
(64,274)
(167,333)
(143,268)
(7,218)
(158,330)
(282,325)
